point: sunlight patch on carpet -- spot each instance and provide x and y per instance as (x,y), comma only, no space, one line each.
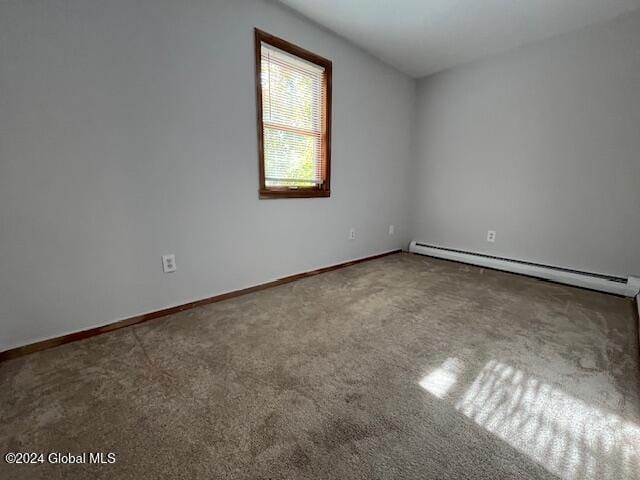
(569,437)
(443,378)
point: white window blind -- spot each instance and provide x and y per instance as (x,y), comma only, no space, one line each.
(292,118)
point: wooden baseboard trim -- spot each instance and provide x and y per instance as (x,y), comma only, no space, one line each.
(72,337)
(637,310)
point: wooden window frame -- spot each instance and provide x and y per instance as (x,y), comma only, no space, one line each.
(323,190)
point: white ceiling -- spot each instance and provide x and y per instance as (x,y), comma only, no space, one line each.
(420,37)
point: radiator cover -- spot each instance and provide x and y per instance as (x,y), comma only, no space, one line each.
(628,287)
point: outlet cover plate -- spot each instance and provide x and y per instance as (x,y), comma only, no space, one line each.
(169,263)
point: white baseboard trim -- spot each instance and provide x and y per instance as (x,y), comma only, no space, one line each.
(628,287)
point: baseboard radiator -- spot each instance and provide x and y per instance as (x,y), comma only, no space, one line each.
(628,287)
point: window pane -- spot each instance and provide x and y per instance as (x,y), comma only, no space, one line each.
(291,158)
(292,96)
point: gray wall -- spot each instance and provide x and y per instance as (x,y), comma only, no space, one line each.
(127,131)
(542,145)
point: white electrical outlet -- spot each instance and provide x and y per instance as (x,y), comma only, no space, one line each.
(491,236)
(392,229)
(352,234)
(169,263)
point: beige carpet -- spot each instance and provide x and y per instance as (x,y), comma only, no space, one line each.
(402,367)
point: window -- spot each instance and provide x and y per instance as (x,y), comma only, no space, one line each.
(294,119)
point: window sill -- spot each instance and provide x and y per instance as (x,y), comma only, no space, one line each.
(294,193)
